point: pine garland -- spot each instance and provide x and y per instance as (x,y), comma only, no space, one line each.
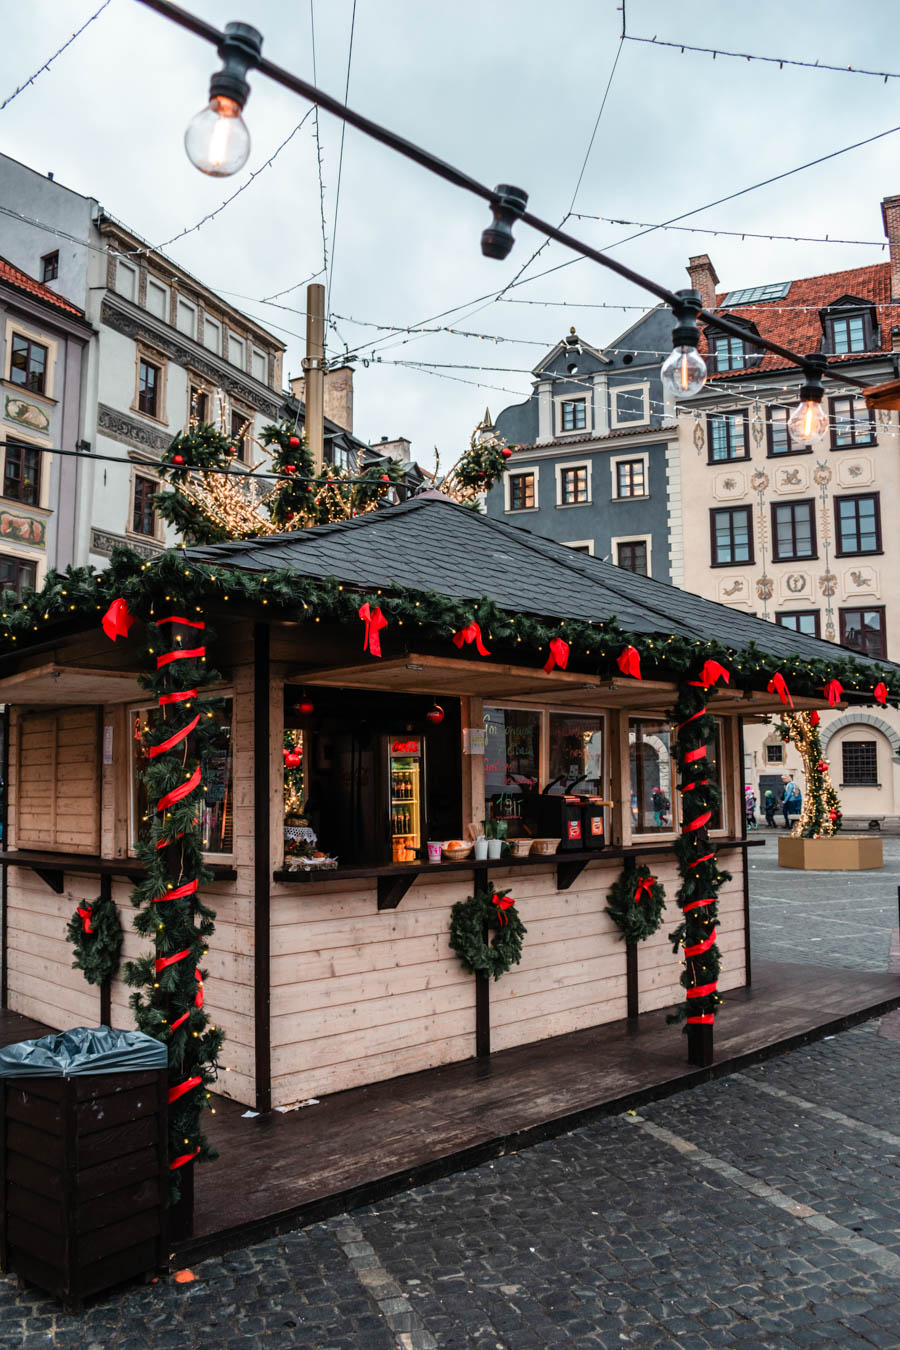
(95,931)
(636,902)
(469,920)
(168,984)
(695,935)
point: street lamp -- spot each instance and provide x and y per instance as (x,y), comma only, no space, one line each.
(217,140)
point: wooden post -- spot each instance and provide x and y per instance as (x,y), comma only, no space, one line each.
(482,985)
(619,779)
(745,857)
(700,1045)
(631,979)
(106,986)
(262,869)
(314,372)
(4,834)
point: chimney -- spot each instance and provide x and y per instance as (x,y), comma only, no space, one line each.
(890,214)
(703,279)
(397,449)
(339,396)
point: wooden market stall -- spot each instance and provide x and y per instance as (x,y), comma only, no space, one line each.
(334,972)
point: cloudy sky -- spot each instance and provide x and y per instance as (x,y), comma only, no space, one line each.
(509,91)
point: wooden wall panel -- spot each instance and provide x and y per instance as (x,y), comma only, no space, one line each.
(58,780)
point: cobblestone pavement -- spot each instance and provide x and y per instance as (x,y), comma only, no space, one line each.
(756,1211)
(845,919)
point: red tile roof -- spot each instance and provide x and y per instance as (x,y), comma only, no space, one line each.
(801,328)
(23,282)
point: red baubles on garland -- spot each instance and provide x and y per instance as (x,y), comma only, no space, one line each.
(435,715)
(306,707)
(290,468)
(293,442)
(506,452)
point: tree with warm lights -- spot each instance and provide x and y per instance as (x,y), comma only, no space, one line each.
(820,814)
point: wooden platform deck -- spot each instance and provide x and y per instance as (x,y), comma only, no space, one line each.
(281,1171)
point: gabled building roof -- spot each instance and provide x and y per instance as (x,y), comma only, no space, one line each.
(794,320)
(21,281)
(433,544)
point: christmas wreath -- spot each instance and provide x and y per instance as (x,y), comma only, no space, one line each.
(636,903)
(95,932)
(469,920)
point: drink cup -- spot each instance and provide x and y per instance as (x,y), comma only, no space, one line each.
(481,848)
(434,851)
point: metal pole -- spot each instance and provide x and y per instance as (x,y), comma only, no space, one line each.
(314,371)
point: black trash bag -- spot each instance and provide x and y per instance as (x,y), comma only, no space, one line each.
(82,1050)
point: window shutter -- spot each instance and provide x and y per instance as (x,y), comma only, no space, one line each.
(58,780)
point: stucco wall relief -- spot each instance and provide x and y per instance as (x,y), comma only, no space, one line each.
(791,478)
(734,590)
(795,586)
(728,485)
(860,580)
(856,472)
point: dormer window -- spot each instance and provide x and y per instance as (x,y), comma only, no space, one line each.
(733,353)
(729,353)
(849,326)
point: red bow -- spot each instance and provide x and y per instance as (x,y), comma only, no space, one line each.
(814,718)
(559,655)
(374,621)
(777,686)
(629,662)
(502,902)
(712,672)
(117,620)
(86,918)
(471,633)
(834,692)
(880,692)
(645,884)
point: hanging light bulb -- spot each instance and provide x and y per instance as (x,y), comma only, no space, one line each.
(809,421)
(683,373)
(217,140)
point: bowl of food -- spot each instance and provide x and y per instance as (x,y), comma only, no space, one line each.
(456,850)
(544,847)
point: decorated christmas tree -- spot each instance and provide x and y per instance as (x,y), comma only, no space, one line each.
(820,814)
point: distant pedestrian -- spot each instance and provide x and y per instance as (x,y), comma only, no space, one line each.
(750,807)
(791,800)
(769,805)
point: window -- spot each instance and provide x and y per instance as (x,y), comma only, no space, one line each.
(852,333)
(512,753)
(779,438)
(216,813)
(650,755)
(126,280)
(341,456)
(774,754)
(858,524)
(793,531)
(240,426)
(148,388)
(212,335)
(801,621)
(860,763)
(236,350)
(729,353)
(573,485)
(573,414)
(521,492)
(143,516)
(630,403)
(727,437)
(632,555)
(259,365)
(851,423)
(28,364)
(186,318)
(585,546)
(158,299)
(50,266)
(863,630)
(22,473)
(750,295)
(731,539)
(575,751)
(631,478)
(16,574)
(199,403)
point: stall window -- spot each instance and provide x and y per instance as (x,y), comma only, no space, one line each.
(650,754)
(216,816)
(512,754)
(575,752)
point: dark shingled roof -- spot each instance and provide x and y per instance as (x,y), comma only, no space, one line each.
(433,544)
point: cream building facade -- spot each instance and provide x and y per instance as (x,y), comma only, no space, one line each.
(803,535)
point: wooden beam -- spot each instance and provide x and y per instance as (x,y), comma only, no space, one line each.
(262,870)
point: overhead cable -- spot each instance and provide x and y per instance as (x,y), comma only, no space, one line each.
(47,64)
(780,61)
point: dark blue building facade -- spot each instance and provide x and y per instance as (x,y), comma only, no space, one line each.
(595,462)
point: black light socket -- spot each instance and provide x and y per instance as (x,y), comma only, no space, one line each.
(814,367)
(686,333)
(506,208)
(240,49)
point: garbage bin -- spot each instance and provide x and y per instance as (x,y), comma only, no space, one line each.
(83,1148)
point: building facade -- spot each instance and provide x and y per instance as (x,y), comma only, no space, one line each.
(43,345)
(595,451)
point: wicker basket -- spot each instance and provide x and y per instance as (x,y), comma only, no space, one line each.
(544,847)
(457,854)
(520,848)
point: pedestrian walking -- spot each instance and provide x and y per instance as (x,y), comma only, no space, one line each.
(750,807)
(791,800)
(769,805)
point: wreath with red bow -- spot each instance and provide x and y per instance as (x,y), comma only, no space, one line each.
(470,923)
(636,903)
(95,931)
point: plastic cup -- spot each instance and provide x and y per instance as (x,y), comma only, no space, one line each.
(434,851)
(494,848)
(481,848)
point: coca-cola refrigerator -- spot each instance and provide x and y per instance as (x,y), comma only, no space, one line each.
(404,758)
